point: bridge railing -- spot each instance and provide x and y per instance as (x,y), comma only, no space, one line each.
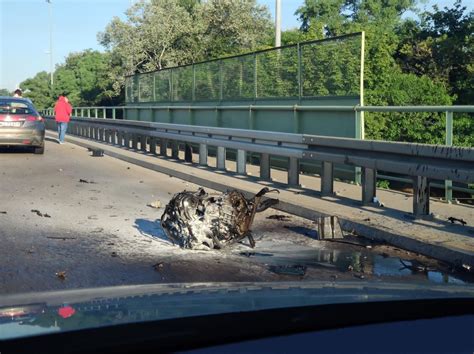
(421,162)
(122,112)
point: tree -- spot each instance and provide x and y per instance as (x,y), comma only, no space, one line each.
(385,83)
(441,46)
(4,92)
(38,89)
(164,33)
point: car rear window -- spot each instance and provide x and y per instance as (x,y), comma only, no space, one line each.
(15,107)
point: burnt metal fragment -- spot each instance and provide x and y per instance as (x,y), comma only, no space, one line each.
(196,220)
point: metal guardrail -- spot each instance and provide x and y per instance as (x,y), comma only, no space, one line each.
(111,112)
(420,161)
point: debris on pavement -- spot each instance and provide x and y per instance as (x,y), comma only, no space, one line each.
(86,181)
(279,217)
(155,204)
(39,213)
(454,220)
(3,212)
(96,152)
(196,220)
(114,254)
(158,266)
(288,269)
(61,238)
(61,275)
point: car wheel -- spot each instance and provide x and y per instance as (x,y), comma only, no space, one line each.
(39,150)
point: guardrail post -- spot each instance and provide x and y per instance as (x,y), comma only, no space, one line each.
(104,112)
(293,172)
(421,196)
(126,138)
(448,185)
(203,154)
(327,178)
(143,143)
(369,185)
(153,146)
(82,112)
(241,162)
(113,113)
(135,141)
(96,113)
(175,149)
(163,147)
(188,153)
(358,135)
(265,167)
(221,155)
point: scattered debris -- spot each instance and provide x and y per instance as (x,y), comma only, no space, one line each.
(96,152)
(377,202)
(3,212)
(454,220)
(61,238)
(155,204)
(61,275)
(415,266)
(114,254)
(158,266)
(360,276)
(39,213)
(86,181)
(350,268)
(261,254)
(92,217)
(60,170)
(97,230)
(288,269)
(196,220)
(279,217)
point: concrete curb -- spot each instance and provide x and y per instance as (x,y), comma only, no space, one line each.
(444,253)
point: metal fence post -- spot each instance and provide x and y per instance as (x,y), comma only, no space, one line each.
(96,113)
(358,135)
(221,155)
(265,167)
(300,81)
(369,185)
(327,178)
(293,172)
(113,113)
(421,196)
(448,185)
(241,162)
(175,149)
(255,75)
(203,154)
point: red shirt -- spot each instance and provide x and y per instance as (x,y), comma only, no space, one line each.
(62,110)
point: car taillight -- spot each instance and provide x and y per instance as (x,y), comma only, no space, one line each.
(34,118)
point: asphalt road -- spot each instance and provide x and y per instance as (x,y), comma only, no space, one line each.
(68,213)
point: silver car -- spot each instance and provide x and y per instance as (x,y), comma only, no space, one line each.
(21,124)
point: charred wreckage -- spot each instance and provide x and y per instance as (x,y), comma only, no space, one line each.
(197,220)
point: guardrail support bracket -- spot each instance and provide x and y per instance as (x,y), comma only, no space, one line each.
(293,171)
(241,162)
(203,154)
(221,155)
(327,179)
(421,196)
(265,173)
(369,178)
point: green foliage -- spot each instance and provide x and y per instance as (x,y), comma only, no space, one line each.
(83,78)
(4,92)
(383,184)
(164,33)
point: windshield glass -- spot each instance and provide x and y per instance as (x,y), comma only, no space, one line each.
(226,146)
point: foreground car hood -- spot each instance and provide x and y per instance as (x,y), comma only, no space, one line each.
(40,313)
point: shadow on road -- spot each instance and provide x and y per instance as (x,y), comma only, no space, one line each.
(54,140)
(151,229)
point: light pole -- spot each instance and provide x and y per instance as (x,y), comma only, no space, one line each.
(277,23)
(51,41)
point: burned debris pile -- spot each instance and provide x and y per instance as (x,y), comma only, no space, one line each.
(196,220)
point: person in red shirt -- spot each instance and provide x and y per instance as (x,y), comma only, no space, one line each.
(62,115)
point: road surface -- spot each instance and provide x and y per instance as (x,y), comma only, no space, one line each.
(70,220)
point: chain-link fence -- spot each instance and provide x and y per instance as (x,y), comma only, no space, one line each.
(329,67)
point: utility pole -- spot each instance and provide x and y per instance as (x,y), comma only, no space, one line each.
(277,23)
(51,69)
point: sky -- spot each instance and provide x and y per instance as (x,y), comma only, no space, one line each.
(24,30)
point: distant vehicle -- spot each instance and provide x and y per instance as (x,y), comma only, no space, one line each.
(21,124)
